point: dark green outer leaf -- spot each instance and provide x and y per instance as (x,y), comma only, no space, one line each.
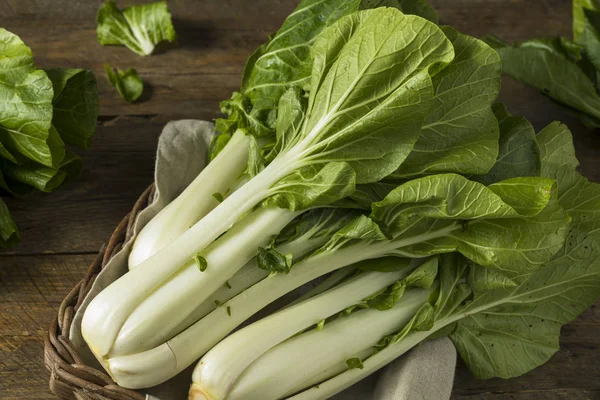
(553,74)
(76,105)
(519,154)
(461,133)
(509,331)
(556,149)
(22,178)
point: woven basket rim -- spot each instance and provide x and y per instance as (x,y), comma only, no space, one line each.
(70,377)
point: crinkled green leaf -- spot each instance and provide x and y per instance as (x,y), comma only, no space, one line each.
(514,226)
(386,298)
(290,116)
(370,81)
(76,105)
(312,187)
(284,61)
(453,197)
(556,148)
(461,133)
(367,194)
(361,228)
(273,261)
(140,27)
(424,276)
(25,103)
(508,332)
(453,287)
(128,83)
(481,279)
(519,155)
(240,116)
(9,234)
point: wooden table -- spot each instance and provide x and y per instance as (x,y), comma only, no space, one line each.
(62,232)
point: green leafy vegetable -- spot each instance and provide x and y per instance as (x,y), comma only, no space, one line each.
(461,133)
(564,70)
(140,28)
(40,111)
(128,82)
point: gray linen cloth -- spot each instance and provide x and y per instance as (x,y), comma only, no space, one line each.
(425,374)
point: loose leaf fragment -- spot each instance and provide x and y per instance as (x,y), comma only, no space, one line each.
(140,28)
(273,261)
(128,83)
(355,362)
(9,234)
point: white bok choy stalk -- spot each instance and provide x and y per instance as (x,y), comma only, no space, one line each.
(266,77)
(222,365)
(309,232)
(194,202)
(436,214)
(480,222)
(358,127)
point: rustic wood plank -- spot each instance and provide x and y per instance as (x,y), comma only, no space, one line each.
(79,218)
(31,289)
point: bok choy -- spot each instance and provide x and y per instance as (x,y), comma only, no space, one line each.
(503,324)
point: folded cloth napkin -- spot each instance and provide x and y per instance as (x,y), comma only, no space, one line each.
(425,374)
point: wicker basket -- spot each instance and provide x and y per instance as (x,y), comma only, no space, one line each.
(70,378)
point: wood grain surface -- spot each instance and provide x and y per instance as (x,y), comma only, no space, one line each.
(61,232)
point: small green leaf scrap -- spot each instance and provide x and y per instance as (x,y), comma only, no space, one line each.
(128,83)
(355,362)
(201,262)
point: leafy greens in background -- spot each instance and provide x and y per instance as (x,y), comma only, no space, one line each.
(140,28)
(567,71)
(128,83)
(42,112)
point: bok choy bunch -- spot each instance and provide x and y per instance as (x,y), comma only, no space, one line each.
(503,322)
(362,145)
(359,123)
